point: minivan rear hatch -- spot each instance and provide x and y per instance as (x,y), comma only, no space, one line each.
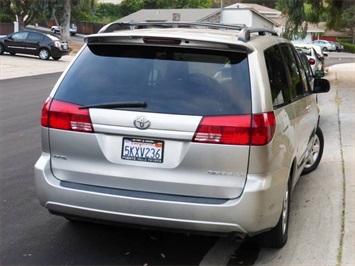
(155,117)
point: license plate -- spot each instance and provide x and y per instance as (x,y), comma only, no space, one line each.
(65,47)
(143,150)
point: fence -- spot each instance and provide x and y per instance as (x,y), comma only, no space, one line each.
(88,27)
(6,28)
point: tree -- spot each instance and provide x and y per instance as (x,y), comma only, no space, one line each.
(6,13)
(298,19)
(348,19)
(23,9)
(65,29)
(130,6)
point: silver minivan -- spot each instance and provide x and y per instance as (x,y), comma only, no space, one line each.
(190,126)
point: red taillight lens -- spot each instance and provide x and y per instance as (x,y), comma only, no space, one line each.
(311,61)
(162,41)
(65,116)
(57,44)
(233,130)
(263,128)
(255,129)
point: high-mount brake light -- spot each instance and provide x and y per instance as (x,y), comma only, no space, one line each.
(256,129)
(66,116)
(162,41)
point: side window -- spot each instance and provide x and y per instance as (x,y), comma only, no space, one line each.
(279,83)
(19,36)
(293,72)
(34,37)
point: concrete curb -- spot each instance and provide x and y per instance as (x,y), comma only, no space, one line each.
(343,72)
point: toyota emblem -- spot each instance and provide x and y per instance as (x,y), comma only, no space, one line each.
(141,122)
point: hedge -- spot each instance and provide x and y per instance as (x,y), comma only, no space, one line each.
(350,48)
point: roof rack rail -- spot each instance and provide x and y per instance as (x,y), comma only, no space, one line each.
(116,26)
(243,36)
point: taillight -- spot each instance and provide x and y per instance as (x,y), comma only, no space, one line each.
(57,44)
(262,128)
(66,116)
(257,129)
(311,61)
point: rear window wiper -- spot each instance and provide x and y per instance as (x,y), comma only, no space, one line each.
(115,105)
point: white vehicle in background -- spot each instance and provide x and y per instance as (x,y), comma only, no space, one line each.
(315,59)
(326,45)
(72,30)
(319,51)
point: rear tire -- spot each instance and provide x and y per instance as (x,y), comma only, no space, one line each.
(277,237)
(56,58)
(314,158)
(44,54)
(2,49)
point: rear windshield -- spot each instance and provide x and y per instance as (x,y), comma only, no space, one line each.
(168,80)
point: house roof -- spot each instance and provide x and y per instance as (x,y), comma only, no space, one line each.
(261,9)
(189,14)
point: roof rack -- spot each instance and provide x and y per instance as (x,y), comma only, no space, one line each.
(244,34)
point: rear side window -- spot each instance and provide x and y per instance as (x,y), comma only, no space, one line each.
(169,80)
(287,77)
(277,76)
(294,72)
(34,37)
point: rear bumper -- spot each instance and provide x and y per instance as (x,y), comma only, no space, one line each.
(55,52)
(257,209)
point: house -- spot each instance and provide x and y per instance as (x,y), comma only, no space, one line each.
(250,15)
(155,15)
(280,21)
(238,16)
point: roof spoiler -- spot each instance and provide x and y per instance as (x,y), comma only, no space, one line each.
(243,36)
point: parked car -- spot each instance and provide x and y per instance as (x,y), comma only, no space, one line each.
(326,45)
(306,64)
(72,30)
(195,129)
(338,46)
(34,43)
(316,61)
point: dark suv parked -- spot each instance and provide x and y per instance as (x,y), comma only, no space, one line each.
(189,126)
(34,43)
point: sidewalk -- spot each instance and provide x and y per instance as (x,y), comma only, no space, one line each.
(342,78)
(22,66)
(341,72)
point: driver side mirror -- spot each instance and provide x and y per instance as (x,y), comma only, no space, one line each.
(321,85)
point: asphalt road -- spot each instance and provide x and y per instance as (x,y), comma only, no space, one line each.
(335,58)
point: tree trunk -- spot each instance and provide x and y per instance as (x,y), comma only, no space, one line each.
(21,22)
(65,30)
